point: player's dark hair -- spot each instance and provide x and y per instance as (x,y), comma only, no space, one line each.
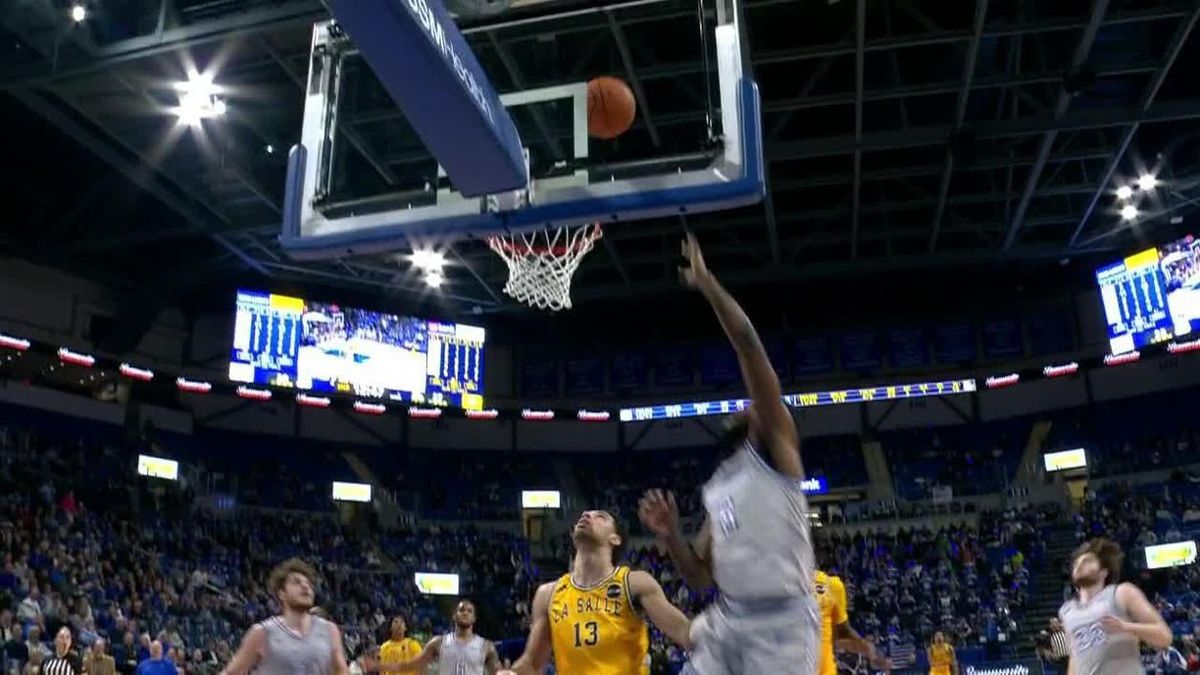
(618,551)
(1107,552)
(279,575)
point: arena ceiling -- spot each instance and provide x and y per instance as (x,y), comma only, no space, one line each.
(975,139)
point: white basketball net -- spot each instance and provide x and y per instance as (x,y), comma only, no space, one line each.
(541,264)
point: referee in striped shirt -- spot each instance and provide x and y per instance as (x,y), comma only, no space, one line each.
(63,661)
(1053,645)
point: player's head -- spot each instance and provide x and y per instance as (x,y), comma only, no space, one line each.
(1097,561)
(291,582)
(740,427)
(939,638)
(464,614)
(600,528)
(399,627)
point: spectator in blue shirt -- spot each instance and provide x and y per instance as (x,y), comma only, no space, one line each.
(156,664)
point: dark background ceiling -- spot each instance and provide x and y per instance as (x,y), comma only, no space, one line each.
(925,156)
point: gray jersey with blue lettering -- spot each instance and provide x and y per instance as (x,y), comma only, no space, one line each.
(761,543)
(461,658)
(1094,652)
(292,653)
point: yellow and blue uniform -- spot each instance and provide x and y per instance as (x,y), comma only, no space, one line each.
(940,658)
(831,601)
(398,651)
(597,630)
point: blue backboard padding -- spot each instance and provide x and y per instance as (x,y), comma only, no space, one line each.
(741,191)
(424,62)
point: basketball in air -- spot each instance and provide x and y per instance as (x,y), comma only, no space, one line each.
(610,106)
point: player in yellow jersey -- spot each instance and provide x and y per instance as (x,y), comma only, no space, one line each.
(836,628)
(942,660)
(399,648)
(592,618)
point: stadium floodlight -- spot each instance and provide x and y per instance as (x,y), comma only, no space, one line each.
(1147,182)
(1124,192)
(198,100)
(434,279)
(1129,212)
(79,13)
(428,259)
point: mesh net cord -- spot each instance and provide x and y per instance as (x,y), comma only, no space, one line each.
(541,264)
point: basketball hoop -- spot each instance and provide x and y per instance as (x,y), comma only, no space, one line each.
(541,264)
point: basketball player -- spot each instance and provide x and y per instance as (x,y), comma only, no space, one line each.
(942,659)
(593,618)
(755,544)
(459,653)
(1107,620)
(399,648)
(296,641)
(836,628)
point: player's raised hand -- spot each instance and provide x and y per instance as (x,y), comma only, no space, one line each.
(695,272)
(659,513)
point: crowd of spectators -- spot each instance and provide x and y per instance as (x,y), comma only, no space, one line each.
(128,566)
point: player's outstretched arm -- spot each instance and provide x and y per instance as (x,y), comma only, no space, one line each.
(537,647)
(249,653)
(659,513)
(666,617)
(762,383)
(845,635)
(1147,624)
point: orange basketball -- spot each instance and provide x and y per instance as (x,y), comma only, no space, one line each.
(611,107)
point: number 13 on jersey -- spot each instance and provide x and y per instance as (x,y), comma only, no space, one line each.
(588,636)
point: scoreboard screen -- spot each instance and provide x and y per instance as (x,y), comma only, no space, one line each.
(319,347)
(1152,296)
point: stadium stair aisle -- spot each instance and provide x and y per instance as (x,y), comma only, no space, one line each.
(389,511)
(1048,595)
(878,473)
(1030,469)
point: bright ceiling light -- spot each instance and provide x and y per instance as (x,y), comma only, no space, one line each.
(78,13)
(434,279)
(1124,192)
(198,100)
(428,260)
(1129,212)
(1147,182)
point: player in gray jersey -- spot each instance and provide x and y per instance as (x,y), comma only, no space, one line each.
(755,545)
(459,653)
(1106,620)
(295,642)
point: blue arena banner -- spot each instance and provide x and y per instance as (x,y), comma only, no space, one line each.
(539,378)
(719,365)
(812,355)
(629,371)
(860,351)
(813,399)
(1002,339)
(585,376)
(1050,331)
(431,73)
(908,347)
(673,367)
(954,343)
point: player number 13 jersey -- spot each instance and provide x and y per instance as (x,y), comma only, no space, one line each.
(597,630)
